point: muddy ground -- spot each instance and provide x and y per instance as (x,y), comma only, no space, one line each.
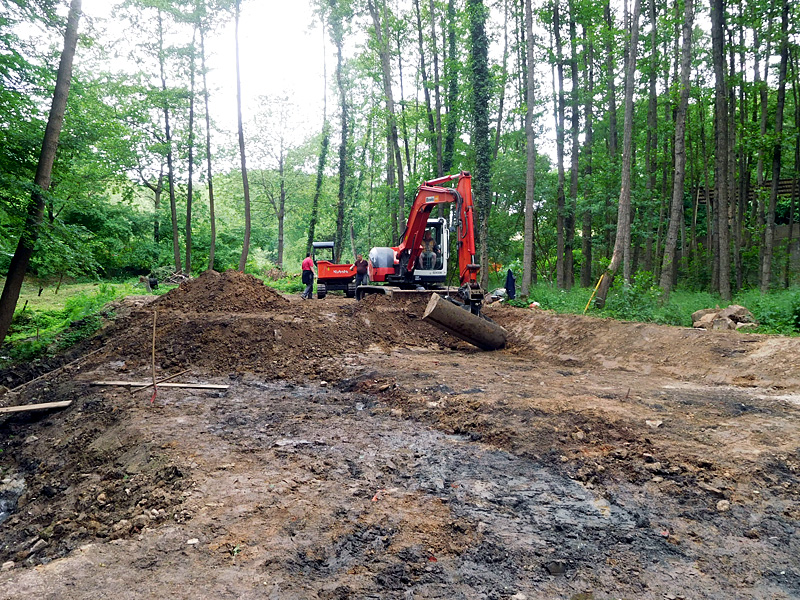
(360,453)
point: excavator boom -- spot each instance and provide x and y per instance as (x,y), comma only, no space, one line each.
(400,266)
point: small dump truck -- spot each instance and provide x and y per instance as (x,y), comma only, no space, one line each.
(331,276)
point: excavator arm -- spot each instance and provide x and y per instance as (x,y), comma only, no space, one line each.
(430,194)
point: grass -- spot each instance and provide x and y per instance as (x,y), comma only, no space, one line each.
(47,323)
(776,313)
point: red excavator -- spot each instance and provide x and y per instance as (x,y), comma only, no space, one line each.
(419,262)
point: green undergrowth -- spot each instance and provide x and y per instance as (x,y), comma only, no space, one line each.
(777,312)
(47,323)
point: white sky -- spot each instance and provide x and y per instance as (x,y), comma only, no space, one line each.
(281,53)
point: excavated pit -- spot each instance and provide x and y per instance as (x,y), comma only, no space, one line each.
(361,453)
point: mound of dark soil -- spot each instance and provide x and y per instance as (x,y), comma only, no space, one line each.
(229,292)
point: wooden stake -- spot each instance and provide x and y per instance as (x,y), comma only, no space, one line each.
(201,386)
(43,375)
(40,406)
(153,358)
(162,380)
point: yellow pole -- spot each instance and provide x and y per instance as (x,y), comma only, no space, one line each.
(593,293)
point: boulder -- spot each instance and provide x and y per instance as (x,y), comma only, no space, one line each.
(722,324)
(699,314)
(737,314)
(723,319)
(705,320)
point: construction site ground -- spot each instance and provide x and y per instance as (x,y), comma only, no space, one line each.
(360,453)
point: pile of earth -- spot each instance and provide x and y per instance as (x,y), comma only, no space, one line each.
(231,291)
(720,357)
(232,323)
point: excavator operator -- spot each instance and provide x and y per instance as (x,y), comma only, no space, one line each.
(430,251)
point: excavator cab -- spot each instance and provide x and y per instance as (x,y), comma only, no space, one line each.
(431,265)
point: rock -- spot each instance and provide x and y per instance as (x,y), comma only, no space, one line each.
(737,314)
(752,534)
(699,314)
(8,565)
(722,324)
(705,321)
(656,466)
(102,499)
(654,424)
(723,506)
(37,546)
(122,527)
(140,521)
(556,567)
(519,596)
(657,479)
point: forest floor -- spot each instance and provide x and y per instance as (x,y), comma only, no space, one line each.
(360,453)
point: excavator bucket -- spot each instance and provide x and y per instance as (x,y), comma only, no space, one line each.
(455,320)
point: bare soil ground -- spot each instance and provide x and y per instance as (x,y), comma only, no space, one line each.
(360,453)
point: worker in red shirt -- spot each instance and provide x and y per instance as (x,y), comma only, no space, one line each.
(308,276)
(361,266)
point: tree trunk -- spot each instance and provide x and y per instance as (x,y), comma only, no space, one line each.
(176,248)
(245,183)
(529,246)
(721,155)
(424,75)
(30,233)
(390,112)
(612,86)
(651,145)
(561,280)
(572,209)
(337,35)
(502,83)
(281,208)
(624,210)
(586,230)
(676,210)
(211,207)
(769,232)
(189,190)
(481,93)
(452,90)
(436,93)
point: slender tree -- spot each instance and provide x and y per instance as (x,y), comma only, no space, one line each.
(769,232)
(173,207)
(624,209)
(721,167)
(209,173)
(33,219)
(680,152)
(481,92)
(245,183)
(190,169)
(528,257)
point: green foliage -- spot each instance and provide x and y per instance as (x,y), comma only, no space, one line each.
(635,302)
(35,333)
(776,312)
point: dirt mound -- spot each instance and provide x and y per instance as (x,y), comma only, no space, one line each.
(230,292)
(723,357)
(285,339)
